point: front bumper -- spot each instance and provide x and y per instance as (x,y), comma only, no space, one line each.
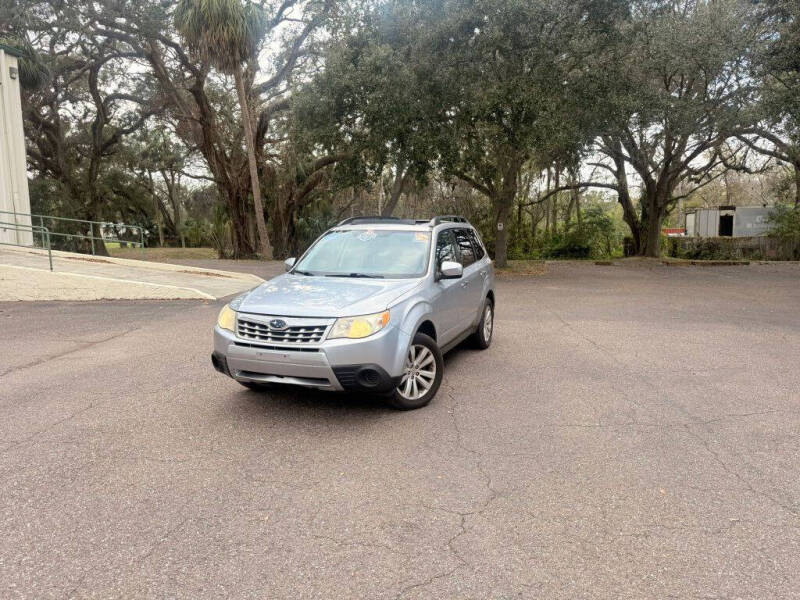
(371,364)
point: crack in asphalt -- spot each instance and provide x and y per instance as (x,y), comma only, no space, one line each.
(493,495)
(694,421)
(39,432)
(730,471)
(83,346)
(139,559)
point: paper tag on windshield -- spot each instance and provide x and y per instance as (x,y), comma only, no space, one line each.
(367,235)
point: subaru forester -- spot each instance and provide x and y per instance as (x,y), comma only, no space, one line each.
(371,306)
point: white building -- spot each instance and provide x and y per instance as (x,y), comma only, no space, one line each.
(13,171)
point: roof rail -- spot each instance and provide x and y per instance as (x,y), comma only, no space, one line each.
(376,220)
(448,219)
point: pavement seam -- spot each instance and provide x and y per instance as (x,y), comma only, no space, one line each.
(133,282)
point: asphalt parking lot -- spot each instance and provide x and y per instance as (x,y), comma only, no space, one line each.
(633,432)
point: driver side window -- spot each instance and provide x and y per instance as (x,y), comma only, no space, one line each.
(445,247)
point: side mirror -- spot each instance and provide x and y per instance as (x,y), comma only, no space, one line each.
(289,263)
(451,270)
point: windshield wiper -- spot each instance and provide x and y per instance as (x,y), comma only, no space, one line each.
(366,275)
(299,272)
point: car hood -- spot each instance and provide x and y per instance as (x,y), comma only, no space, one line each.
(308,296)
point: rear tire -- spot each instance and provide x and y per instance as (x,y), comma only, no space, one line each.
(424,368)
(483,335)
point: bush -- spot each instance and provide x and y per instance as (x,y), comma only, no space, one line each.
(197,233)
(786,229)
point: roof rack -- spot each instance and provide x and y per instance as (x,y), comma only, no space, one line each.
(448,219)
(376,220)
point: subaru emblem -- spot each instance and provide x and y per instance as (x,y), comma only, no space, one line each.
(278,324)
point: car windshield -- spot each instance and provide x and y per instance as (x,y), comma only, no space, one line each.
(368,253)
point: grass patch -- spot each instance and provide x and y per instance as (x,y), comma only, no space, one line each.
(164,254)
(524,267)
(685,262)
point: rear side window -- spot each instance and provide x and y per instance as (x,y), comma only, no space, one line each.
(465,247)
(445,247)
(479,251)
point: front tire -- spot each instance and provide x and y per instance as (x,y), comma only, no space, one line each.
(424,368)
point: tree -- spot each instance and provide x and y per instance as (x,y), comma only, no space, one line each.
(227,33)
(78,112)
(198,103)
(682,86)
(474,89)
(774,130)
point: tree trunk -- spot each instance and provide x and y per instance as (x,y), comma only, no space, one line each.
(242,245)
(556,184)
(266,250)
(501,239)
(652,243)
(653,212)
(398,187)
(504,204)
(156,209)
(576,199)
(547,230)
(175,203)
(797,185)
(628,209)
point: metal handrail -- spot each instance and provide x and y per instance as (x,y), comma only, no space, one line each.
(33,229)
(91,237)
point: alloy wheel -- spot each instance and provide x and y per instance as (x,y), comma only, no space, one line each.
(488,323)
(420,373)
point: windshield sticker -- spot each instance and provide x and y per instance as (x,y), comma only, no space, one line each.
(421,236)
(367,236)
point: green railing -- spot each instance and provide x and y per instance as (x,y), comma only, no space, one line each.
(90,237)
(45,233)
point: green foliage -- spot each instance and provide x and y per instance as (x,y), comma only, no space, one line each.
(786,221)
(224,32)
(33,72)
(195,233)
(786,229)
(596,237)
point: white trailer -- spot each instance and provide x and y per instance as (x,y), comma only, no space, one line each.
(729,221)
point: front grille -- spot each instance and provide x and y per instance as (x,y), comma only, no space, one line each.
(301,334)
(266,347)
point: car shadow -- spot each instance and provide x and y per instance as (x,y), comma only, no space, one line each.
(457,354)
(301,402)
(307,402)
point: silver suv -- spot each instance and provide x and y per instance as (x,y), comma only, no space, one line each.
(371,306)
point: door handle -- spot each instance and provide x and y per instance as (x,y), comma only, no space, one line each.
(464,284)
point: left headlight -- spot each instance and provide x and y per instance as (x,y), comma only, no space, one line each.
(227,318)
(359,327)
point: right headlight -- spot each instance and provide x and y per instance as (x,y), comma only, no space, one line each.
(227,318)
(359,327)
